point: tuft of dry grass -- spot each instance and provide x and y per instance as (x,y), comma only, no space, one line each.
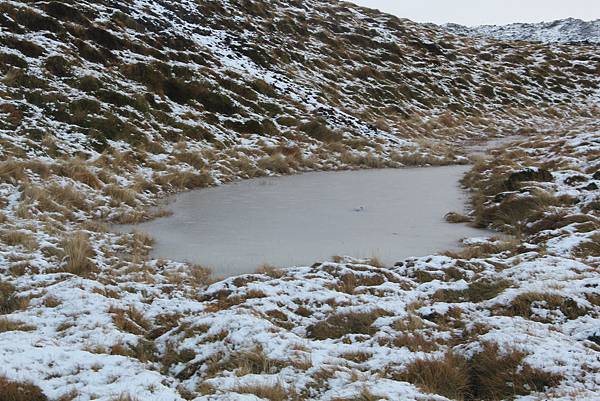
(252,361)
(341,324)
(140,216)
(589,248)
(14,325)
(415,342)
(277,163)
(77,170)
(502,374)
(485,249)
(489,375)
(357,356)
(271,392)
(448,376)
(68,196)
(69,396)
(124,397)
(120,195)
(455,218)
(9,300)
(477,291)
(131,320)
(78,251)
(12,390)
(17,237)
(375,262)
(200,276)
(171,356)
(51,301)
(12,172)
(364,395)
(181,180)
(270,271)
(523,303)
(193,159)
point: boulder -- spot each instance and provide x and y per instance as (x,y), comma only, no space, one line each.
(528,174)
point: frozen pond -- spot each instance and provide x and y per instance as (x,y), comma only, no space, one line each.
(301,219)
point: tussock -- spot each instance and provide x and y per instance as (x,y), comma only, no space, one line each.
(12,390)
(78,251)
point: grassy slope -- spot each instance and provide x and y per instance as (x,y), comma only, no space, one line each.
(100,119)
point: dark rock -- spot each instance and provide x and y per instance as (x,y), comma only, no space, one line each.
(590,187)
(529,174)
(596,175)
(594,339)
(575,179)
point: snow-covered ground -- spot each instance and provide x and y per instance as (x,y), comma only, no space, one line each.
(333,330)
(569,30)
(107,108)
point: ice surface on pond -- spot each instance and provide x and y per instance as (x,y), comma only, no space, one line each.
(298,220)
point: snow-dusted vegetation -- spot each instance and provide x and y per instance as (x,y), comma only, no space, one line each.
(570,30)
(106,107)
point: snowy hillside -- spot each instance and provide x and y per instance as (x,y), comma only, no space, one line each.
(568,30)
(107,107)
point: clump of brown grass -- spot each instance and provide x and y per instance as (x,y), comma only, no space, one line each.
(68,196)
(124,397)
(522,305)
(455,218)
(416,159)
(171,356)
(448,376)
(12,390)
(9,300)
(375,262)
(364,395)
(251,361)
(271,392)
(144,350)
(42,200)
(485,249)
(317,129)
(245,168)
(496,374)
(78,251)
(77,170)
(51,301)
(17,237)
(193,159)
(12,171)
(14,325)
(139,216)
(415,342)
(589,248)
(477,291)
(181,180)
(131,320)
(409,324)
(270,271)
(200,276)
(357,356)
(341,324)
(120,195)
(69,396)
(276,163)
(489,375)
